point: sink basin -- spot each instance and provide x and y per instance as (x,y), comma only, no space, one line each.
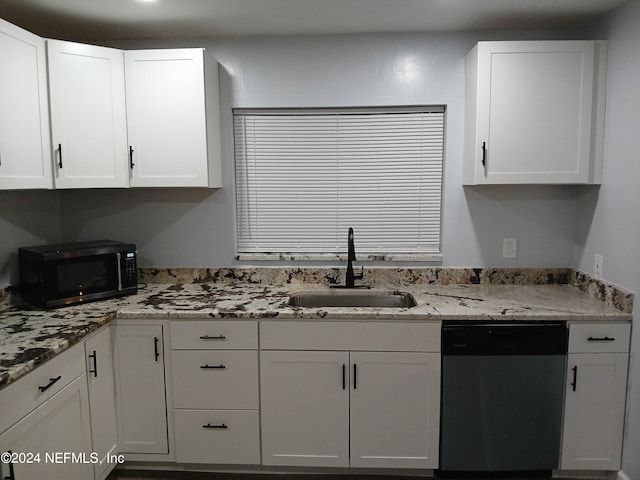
(347,298)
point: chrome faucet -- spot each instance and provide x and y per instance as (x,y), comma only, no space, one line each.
(351,275)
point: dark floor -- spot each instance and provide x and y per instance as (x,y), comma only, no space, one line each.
(158,475)
(152,475)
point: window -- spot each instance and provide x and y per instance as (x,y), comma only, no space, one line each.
(303,177)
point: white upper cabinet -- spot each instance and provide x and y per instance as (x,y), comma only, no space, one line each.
(88,119)
(534,112)
(25,156)
(173,118)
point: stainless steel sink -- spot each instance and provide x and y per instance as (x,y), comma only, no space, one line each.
(351,298)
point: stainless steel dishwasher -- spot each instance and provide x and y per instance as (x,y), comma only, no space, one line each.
(502,396)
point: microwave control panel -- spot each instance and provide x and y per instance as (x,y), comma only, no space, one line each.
(130,269)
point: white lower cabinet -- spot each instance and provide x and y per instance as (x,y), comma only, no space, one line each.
(305,408)
(104,433)
(350,408)
(215,392)
(141,404)
(290,393)
(53,440)
(393,400)
(595,396)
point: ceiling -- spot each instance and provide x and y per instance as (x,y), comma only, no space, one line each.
(128,19)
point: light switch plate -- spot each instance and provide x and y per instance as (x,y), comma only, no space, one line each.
(510,248)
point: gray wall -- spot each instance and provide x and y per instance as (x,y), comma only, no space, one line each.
(196,228)
(609,218)
(26,218)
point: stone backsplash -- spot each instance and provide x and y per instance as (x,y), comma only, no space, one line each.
(372,276)
(605,292)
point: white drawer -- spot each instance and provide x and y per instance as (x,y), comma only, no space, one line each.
(223,379)
(393,336)
(217,436)
(214,335)
(30,391)
(599,337)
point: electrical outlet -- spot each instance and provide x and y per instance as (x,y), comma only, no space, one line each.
(597,266)
(509,248)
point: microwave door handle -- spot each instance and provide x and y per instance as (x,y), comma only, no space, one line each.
(119,260)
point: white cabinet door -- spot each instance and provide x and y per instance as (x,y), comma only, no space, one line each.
(594,411)
(25,146)
(140,388)
(102,403)
(305,408)
(534,112)
(173,118)
(395,407)
(88,115)
(59,427)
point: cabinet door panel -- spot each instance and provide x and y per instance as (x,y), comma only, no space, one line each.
(166,117)
(60,425)
(140,389)
(539,114)
(594,411)
(25,156)
(304,408)
(535,112)
(102,400)
(88,119)
(395,405)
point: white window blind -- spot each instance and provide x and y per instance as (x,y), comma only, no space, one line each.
(303,177)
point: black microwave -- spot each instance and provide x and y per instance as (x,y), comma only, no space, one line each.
(71,273)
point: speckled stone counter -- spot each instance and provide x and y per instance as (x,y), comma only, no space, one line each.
(434,303)
(29,336)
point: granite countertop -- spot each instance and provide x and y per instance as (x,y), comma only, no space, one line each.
(29,336)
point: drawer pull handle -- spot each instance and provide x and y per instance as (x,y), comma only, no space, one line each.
(222,426)
(601,339)
(574,384)
(50,384)
(218,367)
(156,345)
(216,337)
